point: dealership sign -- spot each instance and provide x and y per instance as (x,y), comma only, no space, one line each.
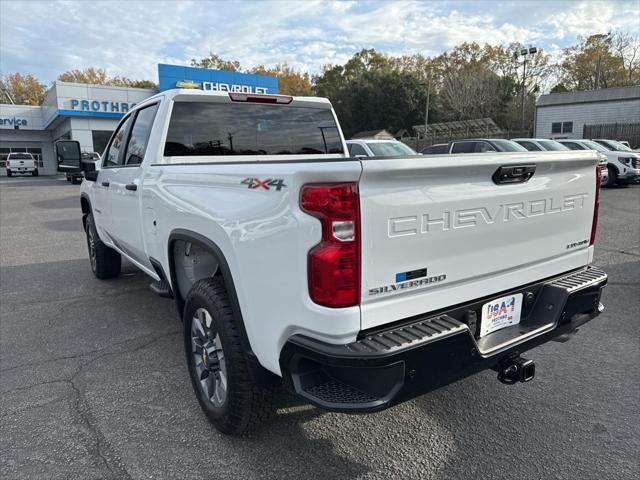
(174,76)
(13,121)
(100,106)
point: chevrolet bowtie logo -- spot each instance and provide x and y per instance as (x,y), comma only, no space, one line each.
(187,84)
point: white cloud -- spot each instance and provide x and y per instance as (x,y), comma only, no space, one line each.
(131,38)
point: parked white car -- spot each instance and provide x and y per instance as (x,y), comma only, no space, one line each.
(544,144)
(356,283)
(19,162)
(623,166)
(378,148)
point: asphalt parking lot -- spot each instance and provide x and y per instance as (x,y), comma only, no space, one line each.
(94,382)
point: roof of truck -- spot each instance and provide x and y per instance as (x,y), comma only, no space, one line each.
(191,93)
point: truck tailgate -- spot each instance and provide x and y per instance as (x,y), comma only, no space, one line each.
(438,231)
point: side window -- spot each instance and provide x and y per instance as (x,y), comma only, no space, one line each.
(112,155)
(484,147)
(463,147)
(137,145)
(532,147)
(572,146)
(357,150)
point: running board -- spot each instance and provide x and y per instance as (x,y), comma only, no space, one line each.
(161,288)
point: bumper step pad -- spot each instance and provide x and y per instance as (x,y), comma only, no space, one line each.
(399,338)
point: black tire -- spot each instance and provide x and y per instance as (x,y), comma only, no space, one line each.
(105,261)
(9,173)
(74,180)
(245,405)
(613,177)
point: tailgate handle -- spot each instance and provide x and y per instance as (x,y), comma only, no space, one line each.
(513,174)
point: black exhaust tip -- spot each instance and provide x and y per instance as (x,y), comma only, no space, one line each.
(516,369)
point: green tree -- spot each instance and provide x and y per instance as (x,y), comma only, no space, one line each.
(99,76)
(215,62)
(600,61)
(290,81)
(19,89)
(371,91)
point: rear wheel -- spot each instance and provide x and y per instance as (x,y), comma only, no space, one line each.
(105,261)
(217,362)
(613,177)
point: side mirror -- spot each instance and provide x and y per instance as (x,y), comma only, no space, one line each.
(89,169)
(68,155)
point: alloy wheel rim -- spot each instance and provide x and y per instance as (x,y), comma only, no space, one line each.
(208,357)
(92,248)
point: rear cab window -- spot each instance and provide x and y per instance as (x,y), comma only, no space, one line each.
(20,156)
(224,129)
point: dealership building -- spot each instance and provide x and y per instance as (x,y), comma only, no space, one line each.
(90,113)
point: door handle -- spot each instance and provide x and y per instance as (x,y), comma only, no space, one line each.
(131,186)
(513,174)
(105,184)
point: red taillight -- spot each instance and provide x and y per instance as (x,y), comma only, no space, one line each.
(596,207)
(243,97)
(334,264)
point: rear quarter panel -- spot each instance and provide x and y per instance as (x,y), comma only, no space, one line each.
(263,235)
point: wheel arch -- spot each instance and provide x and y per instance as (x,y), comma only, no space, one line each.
(259,374)
(85,205)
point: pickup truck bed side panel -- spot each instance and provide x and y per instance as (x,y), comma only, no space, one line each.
(444,219)
(264,236)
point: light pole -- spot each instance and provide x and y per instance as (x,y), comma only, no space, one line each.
(426,107)
(523,53)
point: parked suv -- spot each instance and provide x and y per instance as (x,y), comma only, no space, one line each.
(480,145)
(356,283)
(19,162)
(622,166)
(540,144)
(435,149)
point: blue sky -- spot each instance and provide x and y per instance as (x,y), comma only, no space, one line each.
(130,38)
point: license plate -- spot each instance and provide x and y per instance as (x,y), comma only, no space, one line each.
(500,313)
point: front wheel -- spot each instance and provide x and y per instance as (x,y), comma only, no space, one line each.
(217,362)
(105,261)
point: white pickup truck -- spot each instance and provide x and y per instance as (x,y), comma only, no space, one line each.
(18,162)
(356,283)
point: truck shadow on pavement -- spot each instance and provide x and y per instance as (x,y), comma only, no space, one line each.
(72,201)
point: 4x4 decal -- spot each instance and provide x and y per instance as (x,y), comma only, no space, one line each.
(256,183)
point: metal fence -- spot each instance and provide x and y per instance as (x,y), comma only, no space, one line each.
(418,143)
(614,131)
